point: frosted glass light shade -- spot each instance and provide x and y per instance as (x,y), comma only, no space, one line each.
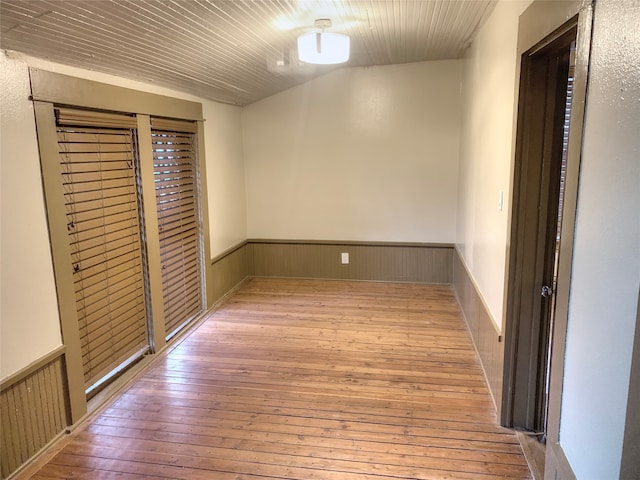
(323,48)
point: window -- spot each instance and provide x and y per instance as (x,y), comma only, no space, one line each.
(121,173)
(176,184)
(98,166)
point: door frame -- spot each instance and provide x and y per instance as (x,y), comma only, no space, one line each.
(540,24)
(536,197)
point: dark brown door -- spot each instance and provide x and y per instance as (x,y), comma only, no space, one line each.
(540,149)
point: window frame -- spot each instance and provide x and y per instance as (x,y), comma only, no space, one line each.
(50,90)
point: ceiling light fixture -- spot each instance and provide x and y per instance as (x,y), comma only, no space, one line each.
(322,47)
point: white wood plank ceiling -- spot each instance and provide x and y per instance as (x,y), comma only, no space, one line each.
(233,51)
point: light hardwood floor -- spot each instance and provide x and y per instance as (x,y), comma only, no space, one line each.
(299,379)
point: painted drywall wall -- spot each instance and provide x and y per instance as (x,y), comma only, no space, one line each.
(606,262)
(358,154)
(29,322)
(225,176)
(486,157)
(30,329)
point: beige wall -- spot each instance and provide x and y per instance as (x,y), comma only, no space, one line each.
(606,257)
(29,323)
(489,96)
(225,176)
(358,154)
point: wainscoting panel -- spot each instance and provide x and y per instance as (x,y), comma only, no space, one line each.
(483,331)
(33,412)
(230,268)
(418,263)
(557,466)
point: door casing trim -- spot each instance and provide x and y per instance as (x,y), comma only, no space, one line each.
(541,23)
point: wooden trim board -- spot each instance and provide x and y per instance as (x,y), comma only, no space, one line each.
(79,92)
(349,243)
(27,371)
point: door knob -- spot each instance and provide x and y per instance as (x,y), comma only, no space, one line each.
(546,291)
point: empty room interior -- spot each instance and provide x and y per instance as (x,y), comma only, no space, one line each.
(323,239)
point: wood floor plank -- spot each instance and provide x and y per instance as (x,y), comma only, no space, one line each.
(52,471)
(260,368)
(428,427)
(343,403)
(223,433)
(304,379)
(410,392)
(208,451)
(420,437)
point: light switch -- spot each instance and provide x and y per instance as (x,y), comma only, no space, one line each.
(344,258)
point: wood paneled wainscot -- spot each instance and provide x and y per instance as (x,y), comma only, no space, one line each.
(230,268)
(484,334)
(377,261)
(33,409)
